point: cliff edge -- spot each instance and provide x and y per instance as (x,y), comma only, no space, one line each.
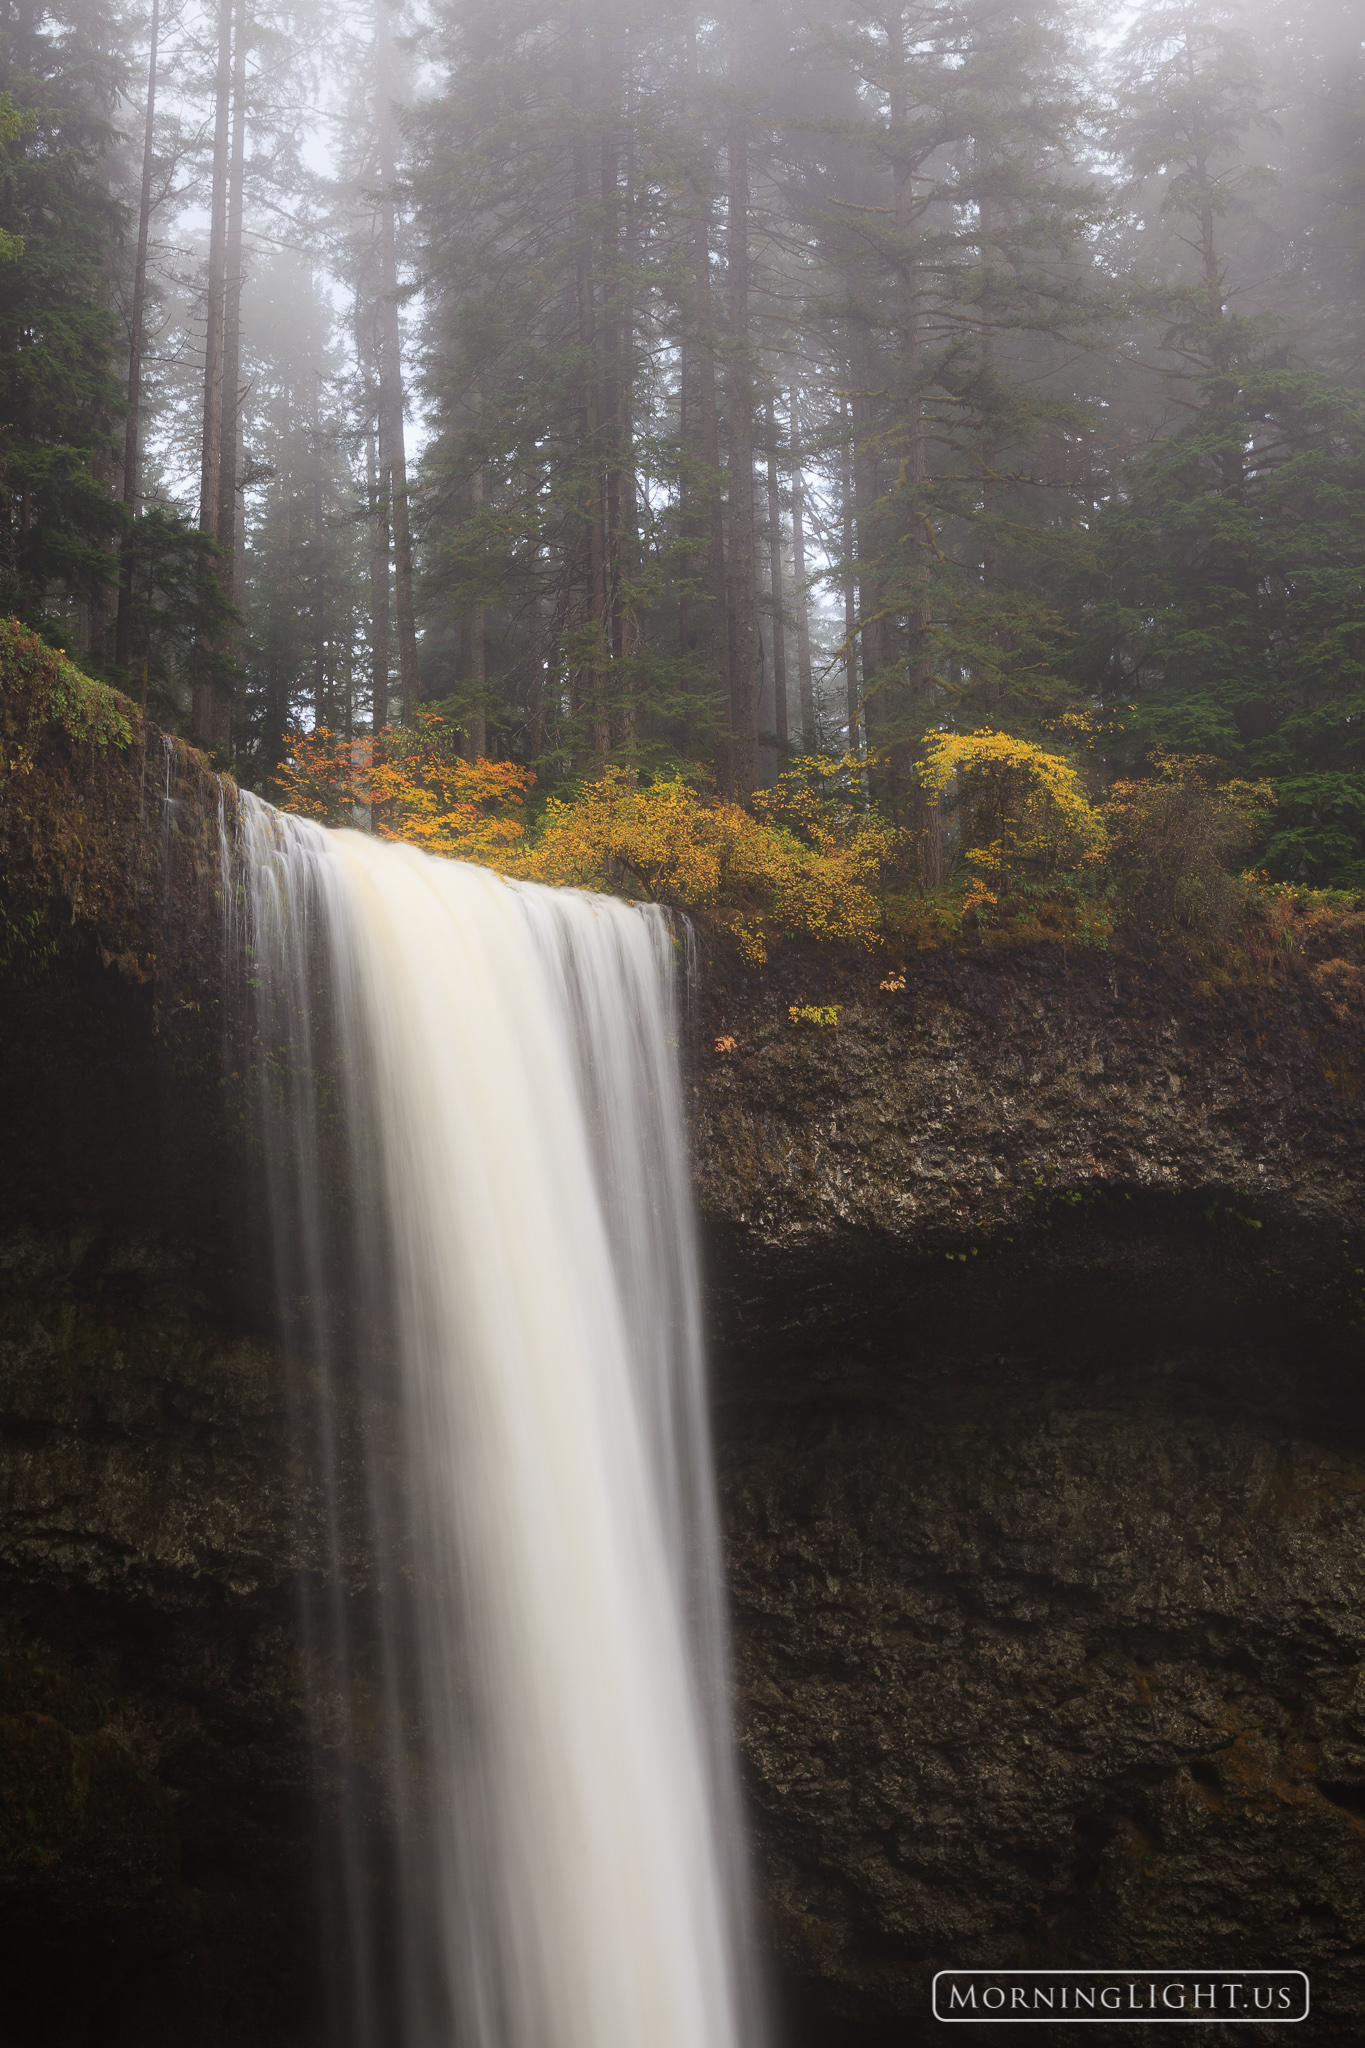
(1036,1288)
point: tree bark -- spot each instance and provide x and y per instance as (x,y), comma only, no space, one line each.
(870,526)
(230,431)
(850,597)
(202,718)
(805,678)
(708,425)
(320,707)
(626,631)
(687,523)
(775,560)
(609,425)
(391,376)
(225,530)
(592,690)
(476,666)
(378,500)
(989,566)
(912,533)
(743,549)
(132,444)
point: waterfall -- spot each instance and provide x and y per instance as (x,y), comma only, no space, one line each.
(473,1128)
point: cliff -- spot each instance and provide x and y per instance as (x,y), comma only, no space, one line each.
(1039,1290)
(1036,1289)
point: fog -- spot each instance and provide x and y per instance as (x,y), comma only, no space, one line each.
(642,385)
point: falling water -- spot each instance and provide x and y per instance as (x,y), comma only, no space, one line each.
(560,1824)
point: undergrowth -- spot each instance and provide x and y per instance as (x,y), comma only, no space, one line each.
(1032,858)
(42,688)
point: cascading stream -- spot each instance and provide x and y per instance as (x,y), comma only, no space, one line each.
(562,1836)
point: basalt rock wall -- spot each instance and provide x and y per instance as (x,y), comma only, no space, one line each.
(1038,1288)
(1036,1293)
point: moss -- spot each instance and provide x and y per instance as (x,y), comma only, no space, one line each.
(109,833)
(39,688)
(27,952)
(820,1016)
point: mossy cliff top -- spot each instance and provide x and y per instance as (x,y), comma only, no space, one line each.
(851,1102)
(1035,1280)
(109,827)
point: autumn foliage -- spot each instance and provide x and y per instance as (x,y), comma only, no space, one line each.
(806,862)
(814,857)
(810,859)
(1172,840)
(409,785)
(1022,810)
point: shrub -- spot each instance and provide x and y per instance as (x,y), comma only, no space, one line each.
(411,785)
(1172,840)
(324,776)
(1021,811)
(670,841)
(811,862)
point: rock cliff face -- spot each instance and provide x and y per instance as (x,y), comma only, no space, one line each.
(1037,1291)
(153,1832)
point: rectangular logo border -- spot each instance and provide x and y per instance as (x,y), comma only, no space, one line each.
(1137,2019)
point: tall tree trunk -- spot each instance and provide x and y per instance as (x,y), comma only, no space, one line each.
(132,444)
(211,448)
(850,597)
(870,517)
(550,660)
(989,565)
(708,427)
(687,523)
(320,707)
(775,560)
(391,375)
(230,432)
(626,626)
(743,549)
(805,678)
(609,429)
(912,532)
(986,359)
(379,589)
(592,692)
(225,528)
(378,500)
(476,665)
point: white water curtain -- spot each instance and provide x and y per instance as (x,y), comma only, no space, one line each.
(564,1840)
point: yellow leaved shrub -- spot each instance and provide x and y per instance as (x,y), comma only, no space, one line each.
(790,868)
(1021,810)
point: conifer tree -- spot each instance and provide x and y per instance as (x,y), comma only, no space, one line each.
(1233,557)
(61,71)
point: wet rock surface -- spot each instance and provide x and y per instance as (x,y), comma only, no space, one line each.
(1036,1294)
(155,1854)
(1067,1672)
(1042,1433)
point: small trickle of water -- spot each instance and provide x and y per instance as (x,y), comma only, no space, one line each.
(562,1860)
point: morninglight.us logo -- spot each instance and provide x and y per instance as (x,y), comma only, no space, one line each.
(1109,1997)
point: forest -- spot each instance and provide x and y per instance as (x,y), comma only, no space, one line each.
(947,418)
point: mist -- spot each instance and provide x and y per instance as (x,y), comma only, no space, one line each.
(636,388)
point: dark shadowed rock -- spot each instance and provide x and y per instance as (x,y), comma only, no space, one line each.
(1039,1299)
(1036,1291)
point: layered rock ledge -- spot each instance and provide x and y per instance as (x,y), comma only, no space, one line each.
(1036,1292)
(1039,1290)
